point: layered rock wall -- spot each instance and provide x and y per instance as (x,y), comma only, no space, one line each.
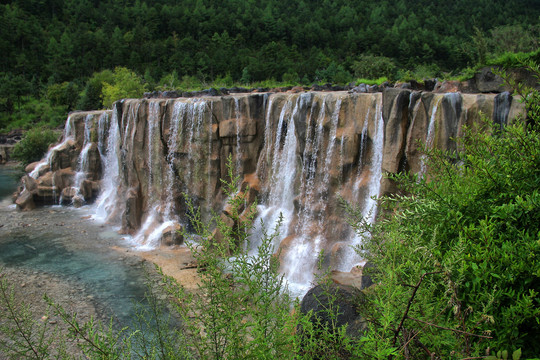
(298,152)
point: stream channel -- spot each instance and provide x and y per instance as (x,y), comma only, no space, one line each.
(82,264)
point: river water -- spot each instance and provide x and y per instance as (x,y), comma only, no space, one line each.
(65,244)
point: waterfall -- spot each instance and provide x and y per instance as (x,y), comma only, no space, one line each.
(369,208)
(52,151)
(501,109)
(108,199)
(309,170)
(175,131)
(300,150)
(430,138)
(283,173)
(363,144)
(82,164)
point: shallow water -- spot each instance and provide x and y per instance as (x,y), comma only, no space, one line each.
(9,180)
(64,243)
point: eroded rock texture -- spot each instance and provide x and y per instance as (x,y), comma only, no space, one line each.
(298,152)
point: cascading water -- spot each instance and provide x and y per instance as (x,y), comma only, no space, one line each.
(52,152)
(369,209)
(430,137)
(237,114)
(150,232)
(82,165)
(503,102)
(300,151)
(283,173)
(108,199)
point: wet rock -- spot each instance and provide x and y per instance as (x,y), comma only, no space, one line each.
(93,163)
(68,195)
(89,190)
(78,201)
(172,235)
(63,178)
(25,201)
(65,156)
(30,167)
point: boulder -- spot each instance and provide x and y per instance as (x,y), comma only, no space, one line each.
(344,300)
(89,190)
(172,235)
(487,81)
(78,201)
(29,183)
(63,178)
(64,156)
(68,195)
(25,201)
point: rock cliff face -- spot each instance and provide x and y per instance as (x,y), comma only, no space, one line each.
(298,152)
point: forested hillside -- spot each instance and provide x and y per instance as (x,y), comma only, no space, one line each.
(64,42)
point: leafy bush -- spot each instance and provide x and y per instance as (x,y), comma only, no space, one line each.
(64,94)
(378,81)
(91,98)
(125,84)
(34,145)
(245,314)
(373,67)
(334,73)
(458,254)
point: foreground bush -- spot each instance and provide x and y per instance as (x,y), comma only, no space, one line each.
(458,253)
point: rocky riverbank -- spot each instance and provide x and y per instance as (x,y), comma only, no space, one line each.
(84,266)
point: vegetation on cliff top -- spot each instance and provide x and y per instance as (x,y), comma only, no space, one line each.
(54,51)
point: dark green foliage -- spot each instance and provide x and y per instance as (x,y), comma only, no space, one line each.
(64,94)
(334,73)
(34,145)
(61,41)
(458,252)
(374,67)
(49,44)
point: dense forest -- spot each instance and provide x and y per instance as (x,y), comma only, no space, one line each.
(50,48)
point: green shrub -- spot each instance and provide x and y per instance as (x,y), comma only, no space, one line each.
(34,145)
(458,254)
(125,84)
(64,94)
(373,67)
(334,73)
(378,81)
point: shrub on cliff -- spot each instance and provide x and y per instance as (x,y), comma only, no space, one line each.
(34,145)
(125,84)
(458,254)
